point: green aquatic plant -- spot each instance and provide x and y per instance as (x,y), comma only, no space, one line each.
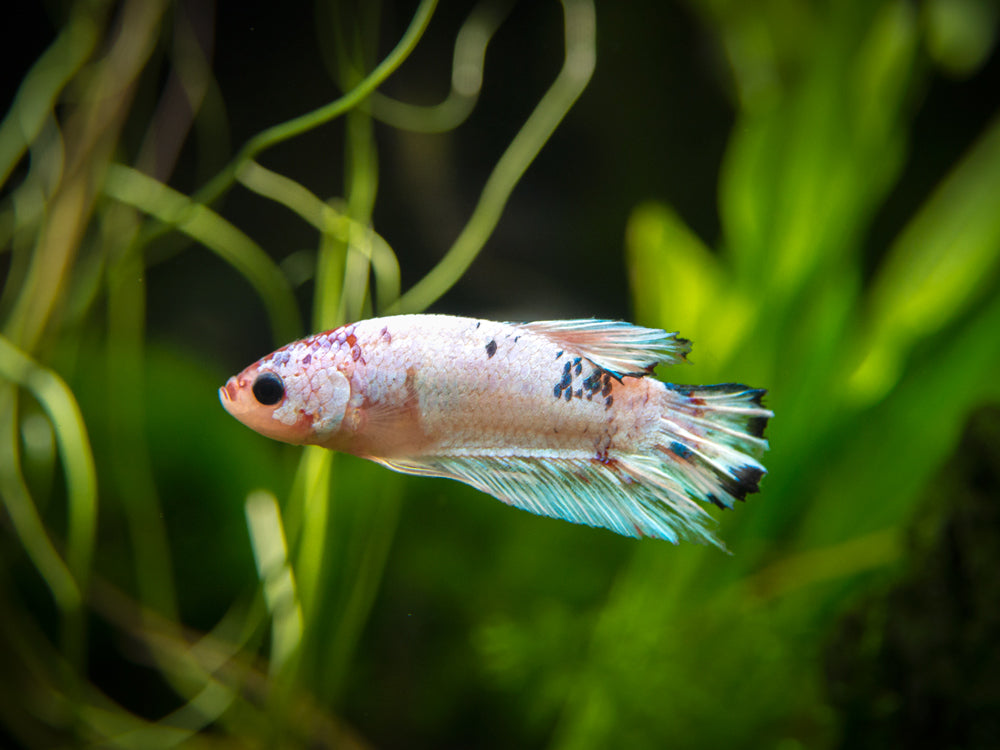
(169,579)
(84,217)
(871,379)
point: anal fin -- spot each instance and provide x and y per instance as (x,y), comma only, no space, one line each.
(630,496)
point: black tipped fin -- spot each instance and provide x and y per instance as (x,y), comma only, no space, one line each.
(713,438)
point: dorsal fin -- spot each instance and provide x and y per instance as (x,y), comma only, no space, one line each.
(620,348)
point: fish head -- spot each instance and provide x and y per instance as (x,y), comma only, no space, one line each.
(289,396)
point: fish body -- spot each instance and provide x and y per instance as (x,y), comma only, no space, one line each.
(560,418)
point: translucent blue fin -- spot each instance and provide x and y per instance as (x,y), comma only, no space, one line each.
(632,497)
(620,348)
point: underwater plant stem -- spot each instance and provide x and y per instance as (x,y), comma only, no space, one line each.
(339,267)
(569,84)
(335,226)
(343,268)
(91,134)
(340,290)
(361,538)
(201,223)
(24,516)
(296,126)
(270,551)
(466,77)
(363,186)
(68,581)
(133,471)
(311,490)
(37,95)
(369,553)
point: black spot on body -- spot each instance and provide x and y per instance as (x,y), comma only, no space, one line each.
(577,365)
(565,384)
(478,323)
(599,381)
(491,349)
(579,392)
(559,354)
(608,402)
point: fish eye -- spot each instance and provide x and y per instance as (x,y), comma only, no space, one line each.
(268,389)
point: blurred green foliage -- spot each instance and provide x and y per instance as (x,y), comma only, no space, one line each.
(188,583)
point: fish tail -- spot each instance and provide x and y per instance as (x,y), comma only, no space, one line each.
(707,447)
(711,439)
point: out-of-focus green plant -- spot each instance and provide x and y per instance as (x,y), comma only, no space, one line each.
(870,381)
(78,219)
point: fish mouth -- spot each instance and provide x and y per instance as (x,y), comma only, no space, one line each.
(228,393)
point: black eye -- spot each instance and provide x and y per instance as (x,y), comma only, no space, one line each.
(268,388)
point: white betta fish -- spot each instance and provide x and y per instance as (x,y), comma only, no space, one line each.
(555,417)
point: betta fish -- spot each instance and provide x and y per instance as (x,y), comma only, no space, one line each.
(560,418)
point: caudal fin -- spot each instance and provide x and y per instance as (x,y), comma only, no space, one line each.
(712,438)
